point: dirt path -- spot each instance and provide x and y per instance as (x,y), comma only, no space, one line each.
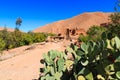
(26,66)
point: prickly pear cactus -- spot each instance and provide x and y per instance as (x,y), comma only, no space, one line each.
(55,64)
(92,61)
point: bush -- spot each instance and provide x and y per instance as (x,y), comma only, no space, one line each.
(83,38)
(51,34)
(2,44)
(39,37)
(114,30)
(95,32)
(17,38)
(27,39)
(114,26)
(115,18)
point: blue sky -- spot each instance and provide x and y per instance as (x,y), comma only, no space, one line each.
(36,13)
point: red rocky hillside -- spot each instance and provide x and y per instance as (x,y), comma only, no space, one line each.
(81,22)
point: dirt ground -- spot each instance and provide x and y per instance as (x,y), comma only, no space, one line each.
(23,63)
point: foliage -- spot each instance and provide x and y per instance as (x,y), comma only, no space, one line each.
(17,38)
(114,26)
(83,38)
(2,44)
(94,33)
(39,37)
(98,60)
(114,30)
(96,30)
(28,39)
(6,37)
(51,34)
(18,22)
(115,18)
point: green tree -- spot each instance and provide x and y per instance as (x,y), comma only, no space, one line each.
(114,26)
(115,18)
(95,32)
(18,23)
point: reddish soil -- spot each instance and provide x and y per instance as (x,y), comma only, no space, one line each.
(24,63)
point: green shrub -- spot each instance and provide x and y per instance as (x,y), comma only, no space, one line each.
(95,32)
(114,30)
(27,39)
(9,41)
(39,37)
(18,38)
(114,26)
(83,38)
(2,44)
(51,34)
(115,18)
